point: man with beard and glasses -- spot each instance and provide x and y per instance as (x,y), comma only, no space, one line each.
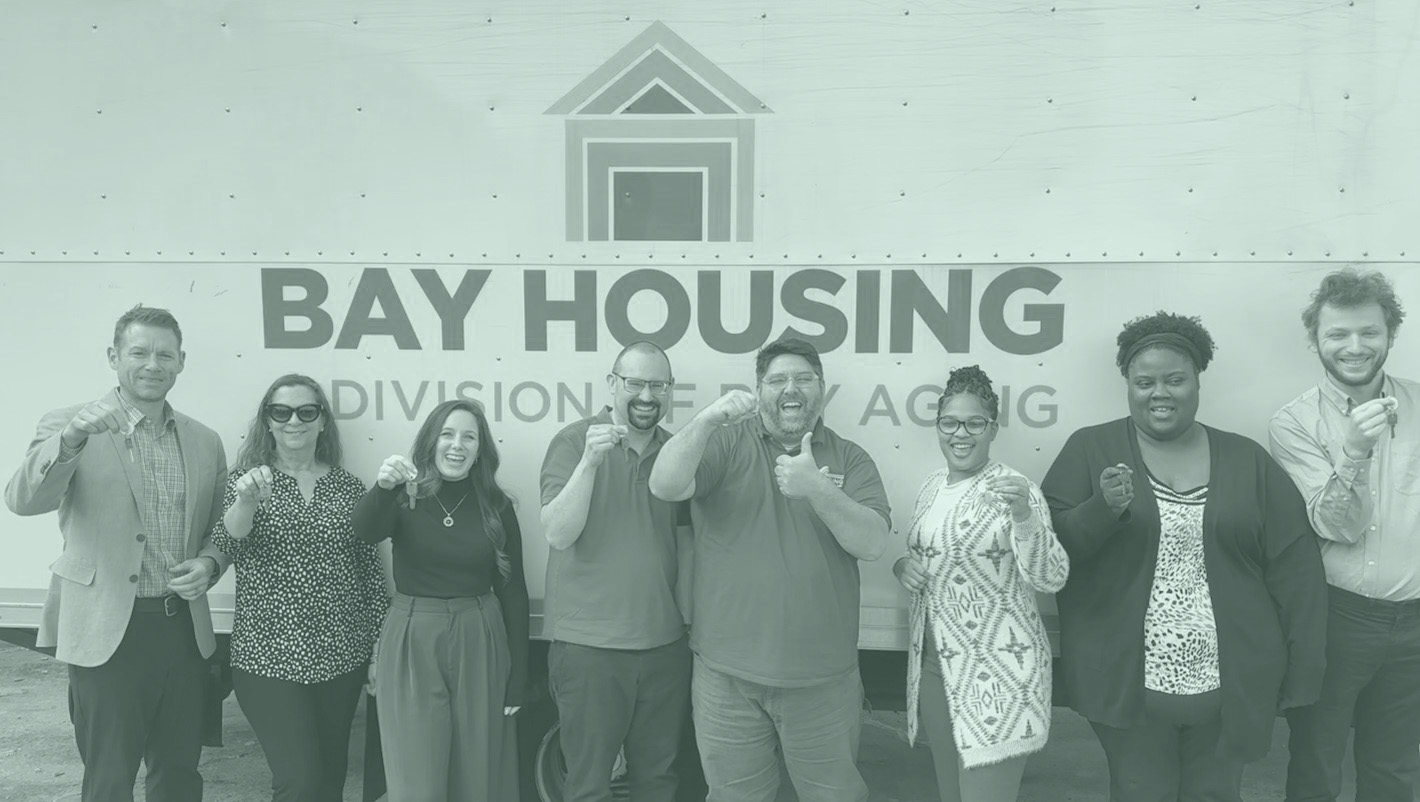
(619,664)
(1352,445)
(783,510)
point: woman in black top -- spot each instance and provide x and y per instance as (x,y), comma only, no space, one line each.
(310,597)
(452,658)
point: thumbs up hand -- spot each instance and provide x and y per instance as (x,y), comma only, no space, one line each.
(800,476)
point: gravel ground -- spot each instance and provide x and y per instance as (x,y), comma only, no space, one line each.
(38,762)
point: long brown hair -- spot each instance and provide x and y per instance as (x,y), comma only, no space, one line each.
(259,448)
(487,493)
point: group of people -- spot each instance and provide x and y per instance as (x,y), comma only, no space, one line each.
(1204,584)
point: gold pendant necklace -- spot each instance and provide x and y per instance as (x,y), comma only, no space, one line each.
(448,513)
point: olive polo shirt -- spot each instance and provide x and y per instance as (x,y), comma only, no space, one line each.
(614,588)
(775,595)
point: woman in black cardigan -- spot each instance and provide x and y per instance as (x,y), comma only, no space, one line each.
(1196,604)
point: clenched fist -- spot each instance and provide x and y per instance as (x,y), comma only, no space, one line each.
(396,471)
(732,407)
(601,438)
(1014,491)
(911,573)
(255,485)
(1365,424)
(1117,484)
(94,418)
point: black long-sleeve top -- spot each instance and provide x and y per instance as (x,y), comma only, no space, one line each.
(440,562)
(1264,576)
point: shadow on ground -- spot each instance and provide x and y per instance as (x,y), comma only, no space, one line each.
(38,762)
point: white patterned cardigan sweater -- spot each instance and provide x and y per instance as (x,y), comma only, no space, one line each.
(983,570)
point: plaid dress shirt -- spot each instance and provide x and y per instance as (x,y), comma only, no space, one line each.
(154,446)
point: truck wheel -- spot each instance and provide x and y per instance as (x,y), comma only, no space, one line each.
(550,770)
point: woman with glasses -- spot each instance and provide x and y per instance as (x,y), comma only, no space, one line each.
(310,597)
(979,548)
(452,659)
(1196,607)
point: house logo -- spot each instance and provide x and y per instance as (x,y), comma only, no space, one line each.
(660,147)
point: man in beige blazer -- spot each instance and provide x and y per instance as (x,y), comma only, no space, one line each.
(137,486)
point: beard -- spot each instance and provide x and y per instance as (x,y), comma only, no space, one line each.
(1334,370)
(795,427)
(643,419)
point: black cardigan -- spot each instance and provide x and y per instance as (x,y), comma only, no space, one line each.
(1265,577)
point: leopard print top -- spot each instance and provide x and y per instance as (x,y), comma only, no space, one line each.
(1180,635)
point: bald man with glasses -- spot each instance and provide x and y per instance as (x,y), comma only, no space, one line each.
(619,664)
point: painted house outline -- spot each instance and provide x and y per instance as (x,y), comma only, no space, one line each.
(659,147)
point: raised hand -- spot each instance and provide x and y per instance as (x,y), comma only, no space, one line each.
(732,407)
(94,418)
(1117,484)
(601,438)
(254,486)
(395,471)
(1365,424)
(799,475)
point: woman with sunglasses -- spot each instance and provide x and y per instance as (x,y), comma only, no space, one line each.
(979,548)
(452,658)
(310,597)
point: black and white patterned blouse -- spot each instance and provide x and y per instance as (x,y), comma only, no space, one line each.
(310,597)
(1180,635)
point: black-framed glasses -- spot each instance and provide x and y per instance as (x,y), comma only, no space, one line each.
(282,413)
(635,386)
(973,425)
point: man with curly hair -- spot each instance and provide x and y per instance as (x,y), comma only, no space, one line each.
(1352,444)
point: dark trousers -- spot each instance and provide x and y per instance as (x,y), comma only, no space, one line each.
(610,699)
(1174,755)
(304,729)
(144,704)
(1372,683)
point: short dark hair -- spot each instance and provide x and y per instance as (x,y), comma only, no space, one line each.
(641,347)
(1349,288)
(1181,333)
(146,316)
(971,380)
(792,346)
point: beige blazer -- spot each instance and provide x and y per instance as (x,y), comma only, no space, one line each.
(98,495)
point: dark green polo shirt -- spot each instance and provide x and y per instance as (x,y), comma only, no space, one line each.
(776,596)
(615,587)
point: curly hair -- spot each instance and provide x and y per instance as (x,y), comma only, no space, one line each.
(971,380)
(1350,288)
(1181,333)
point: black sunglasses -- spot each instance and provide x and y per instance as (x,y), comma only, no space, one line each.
(282,413)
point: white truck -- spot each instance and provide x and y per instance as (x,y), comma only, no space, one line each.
(413,201)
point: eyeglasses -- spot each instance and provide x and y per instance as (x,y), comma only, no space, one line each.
(635,386)
(282,413)
(779,381)
(973,425)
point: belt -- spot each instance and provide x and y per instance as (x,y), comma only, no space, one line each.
(167,605)
(1357,600)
